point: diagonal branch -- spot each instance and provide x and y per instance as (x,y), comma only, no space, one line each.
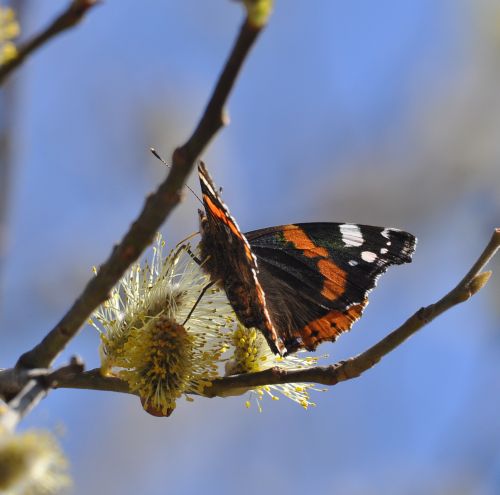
(73,14)
(354,367)
(326,375)
(156,209)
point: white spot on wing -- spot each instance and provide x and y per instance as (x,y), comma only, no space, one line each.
(352,262)
(383,251)
(351,235)
(207,181)
(207,184)
(368,256)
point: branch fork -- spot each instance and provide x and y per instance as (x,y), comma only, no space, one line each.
(36,384)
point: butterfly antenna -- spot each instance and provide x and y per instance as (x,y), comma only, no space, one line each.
(156,154)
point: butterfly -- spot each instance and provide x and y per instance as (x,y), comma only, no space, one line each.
(299,284)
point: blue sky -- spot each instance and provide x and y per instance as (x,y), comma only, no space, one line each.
(345,111)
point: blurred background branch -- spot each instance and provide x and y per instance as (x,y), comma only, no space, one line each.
(69,18)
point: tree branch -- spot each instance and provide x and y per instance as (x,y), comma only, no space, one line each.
(156,209)
(325,375)
(354,367)
(93,380)
(73,14)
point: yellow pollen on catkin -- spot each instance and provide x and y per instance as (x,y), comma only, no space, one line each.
(252,354)
(157,362)
(157,334)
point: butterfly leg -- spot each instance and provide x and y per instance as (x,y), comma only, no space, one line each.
(194,257)
(186,247)
(202,293)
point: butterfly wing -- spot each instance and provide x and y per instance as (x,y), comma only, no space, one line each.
(317,276)
(227,257)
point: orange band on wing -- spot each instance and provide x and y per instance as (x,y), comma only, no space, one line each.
(330,326)
(218,213)
(301,241)
(334,279)
(226,220)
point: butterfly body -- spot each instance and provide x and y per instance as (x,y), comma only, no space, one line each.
(300,284)
(226,255)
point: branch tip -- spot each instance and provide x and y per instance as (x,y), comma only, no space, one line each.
(224,118)
(258,12)
(479,281)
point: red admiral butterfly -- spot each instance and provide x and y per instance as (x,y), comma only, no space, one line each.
(300,284)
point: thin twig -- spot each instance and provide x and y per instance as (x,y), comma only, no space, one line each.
(325,375)
(156,209)
(73,14)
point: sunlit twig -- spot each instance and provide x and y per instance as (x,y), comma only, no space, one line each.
(326,375)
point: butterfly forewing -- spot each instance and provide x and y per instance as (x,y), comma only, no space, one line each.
(326,270)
